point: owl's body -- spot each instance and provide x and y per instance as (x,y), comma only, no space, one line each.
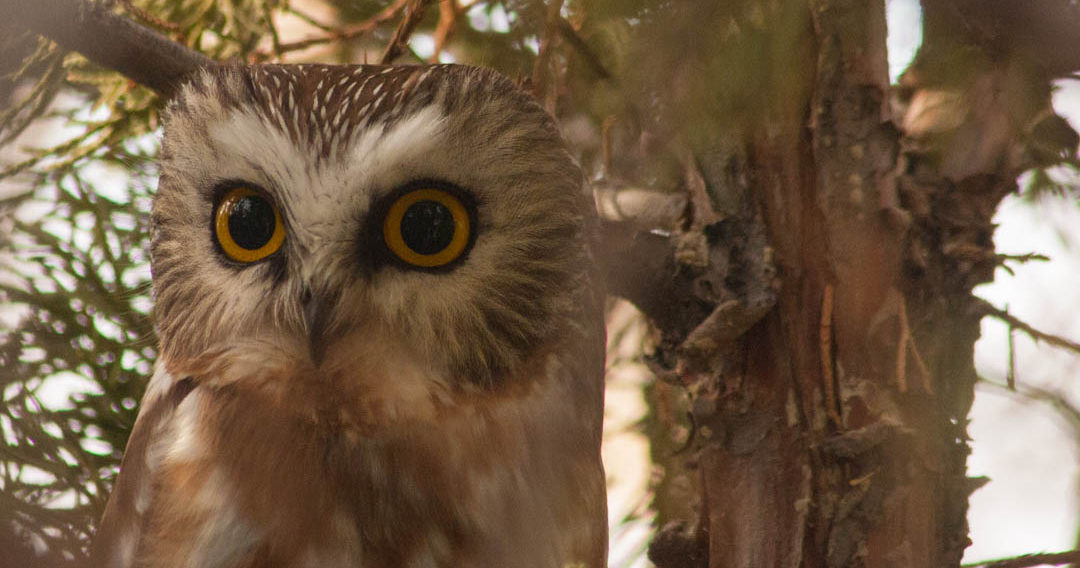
(339,390)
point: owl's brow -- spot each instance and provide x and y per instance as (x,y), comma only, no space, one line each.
(321,105)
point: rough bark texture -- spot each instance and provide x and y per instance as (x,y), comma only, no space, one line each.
(833,433)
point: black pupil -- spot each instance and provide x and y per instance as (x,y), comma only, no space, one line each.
(251,222)
(427,227)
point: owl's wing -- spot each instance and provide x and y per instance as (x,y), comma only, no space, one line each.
(118,534)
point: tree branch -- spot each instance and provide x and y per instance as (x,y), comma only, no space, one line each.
(351,32)
(986,308)
(572,37)
(448,14)
(414,12)
(542,83)
(110,40)
(641,267)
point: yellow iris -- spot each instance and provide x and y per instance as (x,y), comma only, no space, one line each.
(247,225)
(427,227)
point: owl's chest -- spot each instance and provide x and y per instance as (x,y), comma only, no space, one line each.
(470,488)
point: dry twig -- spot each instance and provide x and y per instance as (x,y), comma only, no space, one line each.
(542,67)
(1002,259)
(146,17)
(895,305)
(986,308)
(904,344)
(575,40)
(310,20)
(448,13)
(351,32)
(1010,376)
(414,12)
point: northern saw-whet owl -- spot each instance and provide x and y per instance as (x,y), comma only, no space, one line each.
(381,344)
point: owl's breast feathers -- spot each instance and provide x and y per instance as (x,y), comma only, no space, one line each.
(247,459)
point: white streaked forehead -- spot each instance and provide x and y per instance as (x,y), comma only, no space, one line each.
(317,194)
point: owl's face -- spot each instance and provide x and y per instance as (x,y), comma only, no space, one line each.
(320,217)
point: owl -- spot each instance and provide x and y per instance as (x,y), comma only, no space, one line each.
(381,339)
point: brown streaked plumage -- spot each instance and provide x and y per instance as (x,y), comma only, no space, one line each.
(330,405)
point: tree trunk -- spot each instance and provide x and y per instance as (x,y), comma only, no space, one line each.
(833,432)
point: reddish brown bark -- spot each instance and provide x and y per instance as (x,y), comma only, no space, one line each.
(842,419)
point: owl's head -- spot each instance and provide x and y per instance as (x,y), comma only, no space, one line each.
(432,213)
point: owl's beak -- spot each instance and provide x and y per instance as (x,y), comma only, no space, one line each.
(315,319)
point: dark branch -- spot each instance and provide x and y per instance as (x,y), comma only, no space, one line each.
(989,309)
(110,40)
(345,34)
(448,17)
(414,12)
(572,37)
(641,267)
(542,83)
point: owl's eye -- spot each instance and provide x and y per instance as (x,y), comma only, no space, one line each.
(427,227)
(247,225)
